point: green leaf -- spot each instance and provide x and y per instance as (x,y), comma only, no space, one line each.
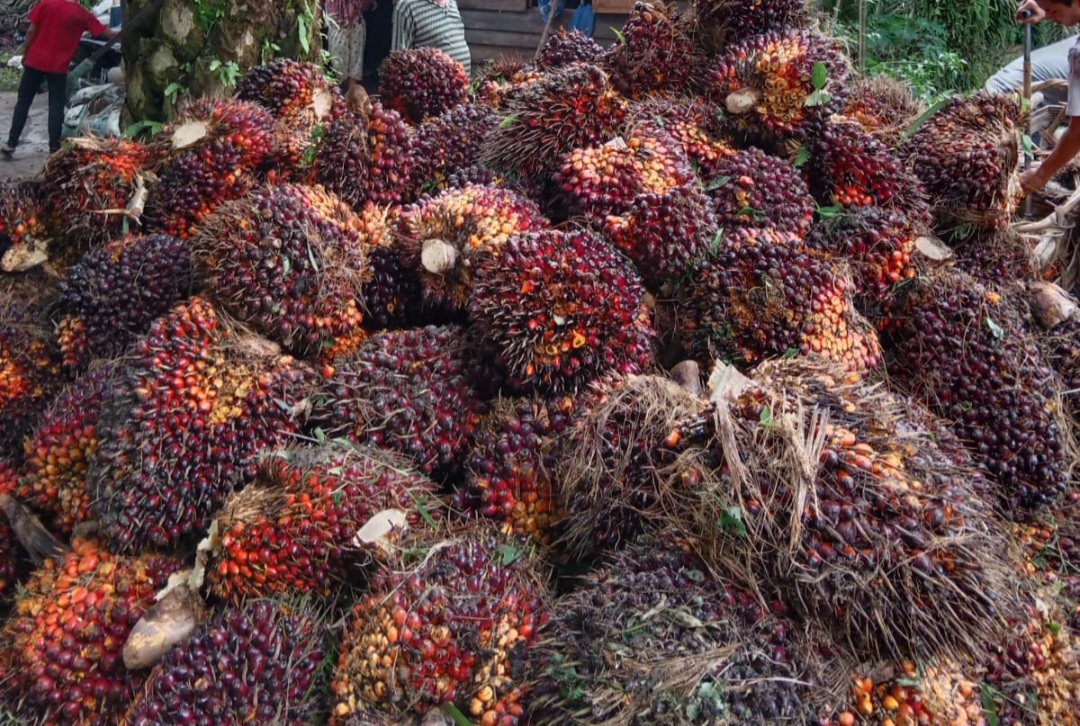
(1055,628)
(619,36)
(717,183)
(789,354)
(311,259)
(302,29)
(286,265)
(173,89)
(817,98)
(336,498)
(459,718)
(695,575)
(509,120)
(989,706)
(923,118)
(765,417)
(830,211)
(320,436)
(819,76)
(714,246)
(730,520)
(509,554)
(995,329)
(422,510)
(802,156)
(215,64)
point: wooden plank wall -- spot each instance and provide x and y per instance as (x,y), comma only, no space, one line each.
(493,34)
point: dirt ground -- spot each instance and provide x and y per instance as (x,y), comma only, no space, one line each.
(34,146)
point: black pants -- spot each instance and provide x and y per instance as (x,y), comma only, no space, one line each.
(28,88)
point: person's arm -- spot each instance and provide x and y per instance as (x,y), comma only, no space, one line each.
(29,38)
(1068,146)
(96,29)
(403,27)
(1029,13)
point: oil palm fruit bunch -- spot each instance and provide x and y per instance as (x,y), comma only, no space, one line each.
(391,298)
(574,107)
(561,309)
(422,82)
(60,650)
(294,91)
(894,545)
(665,234)
(288,260)
(58,452)
(195,405)
(211,154)
(599,181)
(564,47)
(654,53)
(849,167)
(749,188)
(92,182)
(30,362)
(452,627)
(498,78)
(24,227)
(446,237)
(719,23)
(292,530)
(994,256)
(721,657)
(260,662)
(933,693)
(10,549)
(451,142)
(876,243)
(408,391)
(778,86)
(618,465)
(508,467)
(960,348)
(370,159)
(116,291)
(692,122)
(967,157)
(761,294)
(883,106)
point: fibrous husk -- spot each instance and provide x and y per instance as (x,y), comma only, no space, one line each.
(884,106)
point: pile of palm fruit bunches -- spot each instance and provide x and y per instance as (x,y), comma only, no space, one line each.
(694,380)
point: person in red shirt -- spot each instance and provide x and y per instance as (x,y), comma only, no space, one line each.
(55,29)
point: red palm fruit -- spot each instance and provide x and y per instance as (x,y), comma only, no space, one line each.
(446,237)
(288,260)
(665,234)
(884,107)
(752,189)
(654,53)
(116,291)
(196,403)
(59,451)
(779,85)
(91,182)
(716,24)
(422,82)
(451,142)
(257,663)
(693,122)
(453,627)
(574,107)
(562,309)
(409,391)
(967,157)
(294,530)
(761,295)
(62,645)
(995,256)
(391,299)
(294,92)
(26,225)
(960,348)
(564,47)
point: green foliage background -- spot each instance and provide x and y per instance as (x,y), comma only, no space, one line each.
(940,46)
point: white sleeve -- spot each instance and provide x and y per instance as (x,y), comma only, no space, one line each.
(1073,107)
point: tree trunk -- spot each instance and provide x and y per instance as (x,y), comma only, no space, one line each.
(190,48)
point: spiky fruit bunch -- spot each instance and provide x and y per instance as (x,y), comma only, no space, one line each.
(604,180)
(967,157)
(243,125)
(574,107)
(739,661)
(451,142)
(196,404)
(884,106)
(561,309)
(61,647)
(116,291)
(508,466)
(564,47)
(499,79)
(654,53)
(446,237)
(752,189)
(665,234)
(295,92)
(876,243)
(10,549)
(453,628)
(391,297)
(761,295)
(422,82)
(24,229)
(719,23)
(59,451)
(850,167)
(259,663)
(960,348)
(994,256)
(692,122)
(882,507)
(294,530)
(409,391)
(288,260)
(91,182)
(372,162)
(1061,348)
(769,86)
(30,363)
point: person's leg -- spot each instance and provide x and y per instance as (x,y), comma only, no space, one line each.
(57,102)
(28,85)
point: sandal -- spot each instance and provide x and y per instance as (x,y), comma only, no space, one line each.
(6,151)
